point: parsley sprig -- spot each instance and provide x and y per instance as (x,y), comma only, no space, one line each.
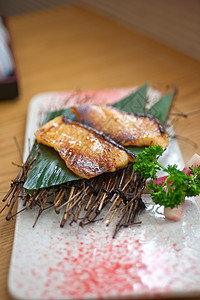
(177,185)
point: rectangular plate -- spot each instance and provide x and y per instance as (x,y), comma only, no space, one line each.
(158,258)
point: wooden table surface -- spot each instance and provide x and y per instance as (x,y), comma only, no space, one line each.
(72,48)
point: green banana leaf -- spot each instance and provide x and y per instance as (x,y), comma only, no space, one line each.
(135,102)
(161,108)
(49,169)
(62,112)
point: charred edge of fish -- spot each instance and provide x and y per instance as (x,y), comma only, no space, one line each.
(100,134)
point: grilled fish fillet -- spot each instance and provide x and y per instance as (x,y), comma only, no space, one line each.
(124,128)
(85,151)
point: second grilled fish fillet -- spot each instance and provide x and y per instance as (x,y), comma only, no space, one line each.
(124,128)
(85,151)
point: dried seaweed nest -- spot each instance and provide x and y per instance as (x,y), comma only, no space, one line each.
(83,201)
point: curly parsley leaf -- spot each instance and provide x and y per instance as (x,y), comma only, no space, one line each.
(176,186)
(146,163)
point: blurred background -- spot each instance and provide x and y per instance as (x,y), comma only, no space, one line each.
(175,23)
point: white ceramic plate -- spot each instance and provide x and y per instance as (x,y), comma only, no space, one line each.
(158,258)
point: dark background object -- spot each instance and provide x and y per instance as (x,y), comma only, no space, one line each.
(9,85)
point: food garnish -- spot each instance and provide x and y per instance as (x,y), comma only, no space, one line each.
(177,184)
(175,214)
(124,128)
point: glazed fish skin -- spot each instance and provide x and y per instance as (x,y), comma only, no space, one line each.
(124,128)
(85,152)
